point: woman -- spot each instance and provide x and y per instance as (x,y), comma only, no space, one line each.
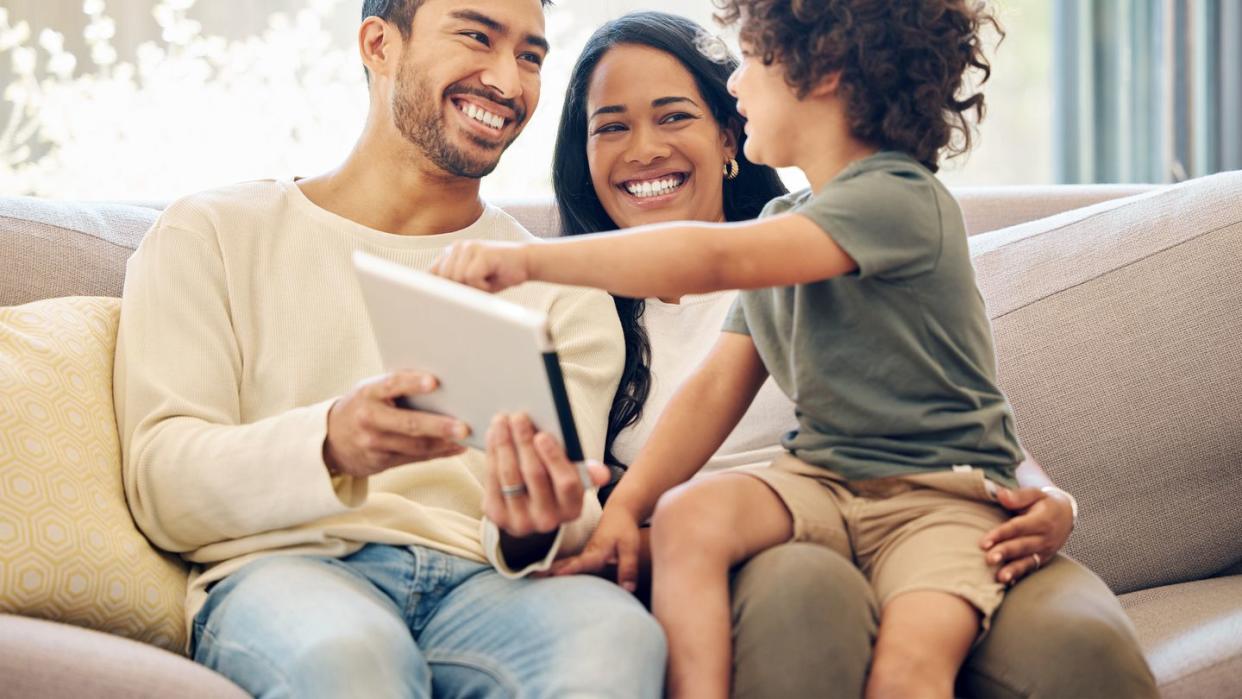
(649,133)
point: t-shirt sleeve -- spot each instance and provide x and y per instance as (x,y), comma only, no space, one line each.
(887,220)
(735,321)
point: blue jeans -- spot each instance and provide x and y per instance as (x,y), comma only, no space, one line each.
(412,622)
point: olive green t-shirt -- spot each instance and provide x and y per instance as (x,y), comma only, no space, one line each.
(891,367)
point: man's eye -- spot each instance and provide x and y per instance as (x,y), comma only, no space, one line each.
(479,37)
(532,58)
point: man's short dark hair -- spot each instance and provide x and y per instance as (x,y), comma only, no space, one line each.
(400,13)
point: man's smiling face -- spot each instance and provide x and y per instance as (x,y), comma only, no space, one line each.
(469,80)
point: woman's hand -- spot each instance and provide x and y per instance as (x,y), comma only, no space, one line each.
(1041,525)
(488,265)
(616,541)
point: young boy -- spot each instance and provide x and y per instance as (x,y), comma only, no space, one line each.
(861,303)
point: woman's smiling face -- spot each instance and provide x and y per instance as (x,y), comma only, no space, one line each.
(654,148)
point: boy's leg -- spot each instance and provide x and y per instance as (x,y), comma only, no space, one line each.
(936,591)
(699,531)
(924,637)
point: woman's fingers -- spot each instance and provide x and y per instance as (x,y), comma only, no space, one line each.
(1017,500)
(1022,525)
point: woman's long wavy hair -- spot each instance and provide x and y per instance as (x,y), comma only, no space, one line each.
(581,211)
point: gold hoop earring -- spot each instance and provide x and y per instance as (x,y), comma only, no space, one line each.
(731,169)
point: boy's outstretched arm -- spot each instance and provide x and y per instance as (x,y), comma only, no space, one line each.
(663,260)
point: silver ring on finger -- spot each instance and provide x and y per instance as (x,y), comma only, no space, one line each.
(1038,560)
(513,491)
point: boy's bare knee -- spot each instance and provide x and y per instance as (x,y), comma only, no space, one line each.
(685,517)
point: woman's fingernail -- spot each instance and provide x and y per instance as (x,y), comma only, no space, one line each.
(994,558)
(629,586)
(1005,577)
(987,543)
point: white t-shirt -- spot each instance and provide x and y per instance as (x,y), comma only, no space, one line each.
(681,336)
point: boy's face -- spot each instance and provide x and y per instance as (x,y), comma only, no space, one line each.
(469,80)
(772,110)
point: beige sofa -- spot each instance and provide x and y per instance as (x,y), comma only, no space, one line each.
(1119,336)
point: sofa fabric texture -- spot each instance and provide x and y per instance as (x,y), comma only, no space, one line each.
(1119,340)
(1119,343)
(69,550)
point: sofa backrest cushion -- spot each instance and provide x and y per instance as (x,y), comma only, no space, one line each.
(1119,340)
(58,248)
(69,550)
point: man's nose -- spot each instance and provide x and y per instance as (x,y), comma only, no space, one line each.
(503,76)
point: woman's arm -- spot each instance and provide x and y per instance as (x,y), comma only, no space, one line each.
(696,422)
(661,260)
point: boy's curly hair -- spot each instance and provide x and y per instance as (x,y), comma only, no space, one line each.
(902,63)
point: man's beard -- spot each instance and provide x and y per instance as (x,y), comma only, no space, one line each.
(419,117)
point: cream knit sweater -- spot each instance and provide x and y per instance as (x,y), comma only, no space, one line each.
(242,321)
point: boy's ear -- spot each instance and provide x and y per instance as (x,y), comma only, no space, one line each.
(828,86)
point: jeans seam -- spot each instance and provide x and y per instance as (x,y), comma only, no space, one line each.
(272,667)
(476,662)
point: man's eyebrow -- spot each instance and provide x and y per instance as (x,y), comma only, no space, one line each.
(480,18)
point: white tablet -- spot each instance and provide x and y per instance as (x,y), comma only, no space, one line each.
(490,355)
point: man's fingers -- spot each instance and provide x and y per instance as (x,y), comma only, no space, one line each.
(415,448)
(400,383)
(545,514)
(563,473)
(413,423)
(494,507)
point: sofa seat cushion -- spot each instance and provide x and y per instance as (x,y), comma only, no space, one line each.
(41,659)
(1118,340)
(1191,634)
(69,550)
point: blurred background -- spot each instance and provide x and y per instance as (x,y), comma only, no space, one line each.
(152,99)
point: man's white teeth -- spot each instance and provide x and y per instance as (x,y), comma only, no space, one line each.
(655,188)
(483,116)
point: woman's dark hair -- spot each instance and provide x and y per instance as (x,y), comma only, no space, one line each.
(580,208)
(902,63)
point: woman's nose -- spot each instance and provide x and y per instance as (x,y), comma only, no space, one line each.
(646,145)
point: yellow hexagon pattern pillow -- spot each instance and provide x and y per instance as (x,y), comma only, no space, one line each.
(69,550)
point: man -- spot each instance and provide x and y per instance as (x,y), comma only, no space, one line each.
(339,542)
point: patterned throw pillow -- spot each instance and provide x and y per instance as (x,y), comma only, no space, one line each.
(69,550)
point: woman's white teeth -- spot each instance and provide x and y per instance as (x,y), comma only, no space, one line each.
(482,115)
(655,188)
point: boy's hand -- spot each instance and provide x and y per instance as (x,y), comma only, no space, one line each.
(490,266)
(616,541)
(1042,525)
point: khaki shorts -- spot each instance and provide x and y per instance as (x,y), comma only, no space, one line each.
(905,533)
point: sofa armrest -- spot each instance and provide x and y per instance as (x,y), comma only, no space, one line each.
(46,659)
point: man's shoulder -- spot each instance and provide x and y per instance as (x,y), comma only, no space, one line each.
(500,225)
(210,209)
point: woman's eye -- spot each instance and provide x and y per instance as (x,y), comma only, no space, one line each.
(679,116)
(609,128)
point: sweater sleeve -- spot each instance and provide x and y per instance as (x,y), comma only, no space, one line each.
(591,348)
(193,473)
